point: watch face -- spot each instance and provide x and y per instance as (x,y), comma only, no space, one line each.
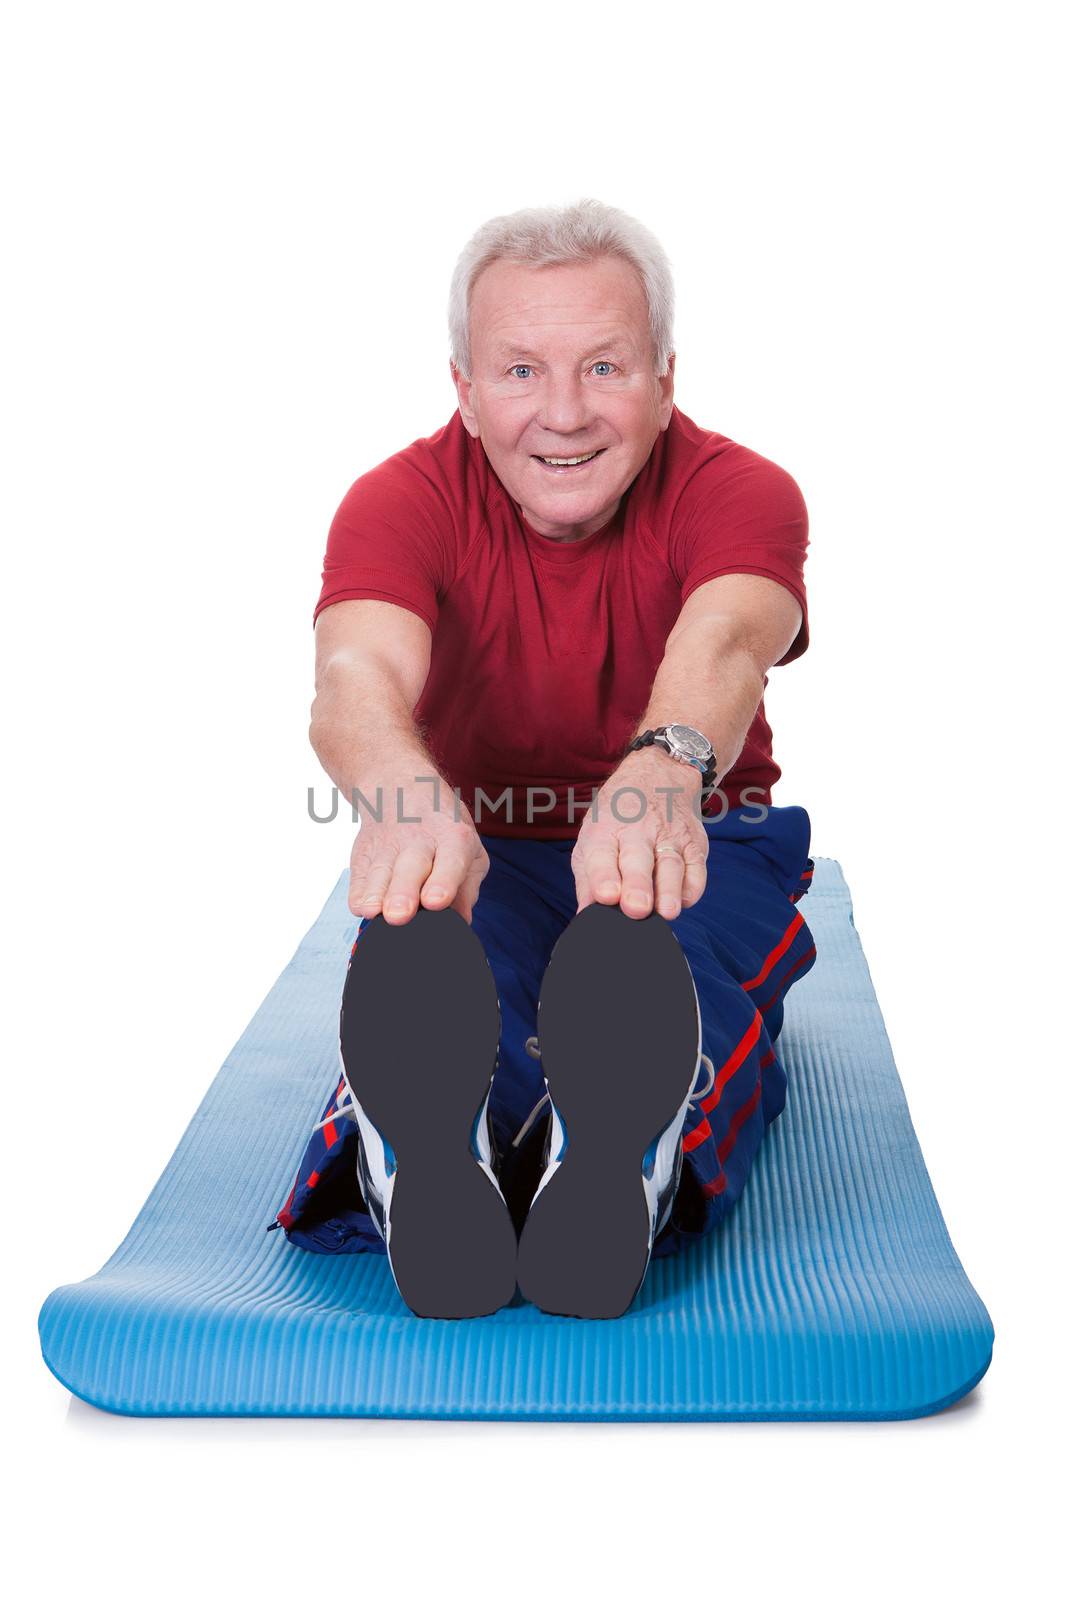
(689,742)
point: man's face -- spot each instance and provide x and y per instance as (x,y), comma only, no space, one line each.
(562,364)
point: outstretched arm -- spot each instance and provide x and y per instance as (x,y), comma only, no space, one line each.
(728,635)
(371,662)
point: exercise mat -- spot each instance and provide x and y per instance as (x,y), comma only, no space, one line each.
(831,1291)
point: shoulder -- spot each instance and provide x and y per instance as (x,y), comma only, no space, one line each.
(728,508)
(704,467)
(435,487)
(699,471)
(430,472)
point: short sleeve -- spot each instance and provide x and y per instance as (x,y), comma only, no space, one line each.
(740,512)
(392,538)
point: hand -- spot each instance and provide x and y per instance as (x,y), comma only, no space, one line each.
(632,864)
(399,865)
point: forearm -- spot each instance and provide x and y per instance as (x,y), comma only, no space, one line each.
(730,631)
(709,679)
(363,731)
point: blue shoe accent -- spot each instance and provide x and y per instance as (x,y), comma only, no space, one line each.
(480,1140)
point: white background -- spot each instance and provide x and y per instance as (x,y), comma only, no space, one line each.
(231,230)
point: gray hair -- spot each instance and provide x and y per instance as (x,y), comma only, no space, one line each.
(544,236)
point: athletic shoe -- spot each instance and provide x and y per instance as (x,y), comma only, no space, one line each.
(619,1038)
(420,1031)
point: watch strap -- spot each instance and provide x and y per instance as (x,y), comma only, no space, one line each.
(649,737)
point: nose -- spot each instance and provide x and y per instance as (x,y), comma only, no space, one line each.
(565,407)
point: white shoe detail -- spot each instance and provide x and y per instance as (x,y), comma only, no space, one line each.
(379,1202)
(661,1186)
(484,1147)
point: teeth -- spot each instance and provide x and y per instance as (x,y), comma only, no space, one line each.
(567,461)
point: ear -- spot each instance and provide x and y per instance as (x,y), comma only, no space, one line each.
(666,393)
(463,394)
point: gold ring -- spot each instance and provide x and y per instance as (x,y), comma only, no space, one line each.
(667,850)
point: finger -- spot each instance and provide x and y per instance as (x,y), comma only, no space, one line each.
(635,862)
(470,888)
(356,884)
(451,865)
(581,881)
(466,895)
(376,875)
(696,874)
(357,876)
(602,867)
(460,863)
(670,874)
(359,868)
(410,870)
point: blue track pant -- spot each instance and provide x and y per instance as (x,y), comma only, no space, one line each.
(746,943)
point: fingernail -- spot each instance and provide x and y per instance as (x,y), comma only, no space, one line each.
(398,903)
(639,897)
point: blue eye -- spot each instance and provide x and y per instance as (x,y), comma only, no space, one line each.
(522,366)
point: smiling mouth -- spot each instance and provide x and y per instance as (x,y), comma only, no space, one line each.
(569,463)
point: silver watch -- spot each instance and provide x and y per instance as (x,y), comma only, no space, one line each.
(684,744)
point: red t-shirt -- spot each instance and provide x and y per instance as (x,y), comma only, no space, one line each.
(544,654)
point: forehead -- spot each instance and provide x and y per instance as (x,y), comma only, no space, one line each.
(512,302)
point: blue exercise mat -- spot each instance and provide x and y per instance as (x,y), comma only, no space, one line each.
(831,1291)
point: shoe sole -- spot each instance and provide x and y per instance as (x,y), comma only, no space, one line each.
(420,1026)
(619,1030)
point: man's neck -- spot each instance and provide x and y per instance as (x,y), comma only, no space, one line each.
(579,531)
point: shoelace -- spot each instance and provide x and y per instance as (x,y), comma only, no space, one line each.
(533,1049)
(344,1109)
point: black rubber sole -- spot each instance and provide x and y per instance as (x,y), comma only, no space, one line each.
(619,1029)
(420,1024)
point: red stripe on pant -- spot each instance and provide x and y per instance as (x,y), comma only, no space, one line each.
(801,961)
(776,954)
(718,1184)
(702,1131)
(737,1122)
(736,1060)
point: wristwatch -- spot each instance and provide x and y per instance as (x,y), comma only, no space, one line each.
(684,744)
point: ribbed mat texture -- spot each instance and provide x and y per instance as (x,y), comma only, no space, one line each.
(831,1291)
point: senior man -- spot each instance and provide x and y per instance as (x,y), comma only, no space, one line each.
(544,633)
